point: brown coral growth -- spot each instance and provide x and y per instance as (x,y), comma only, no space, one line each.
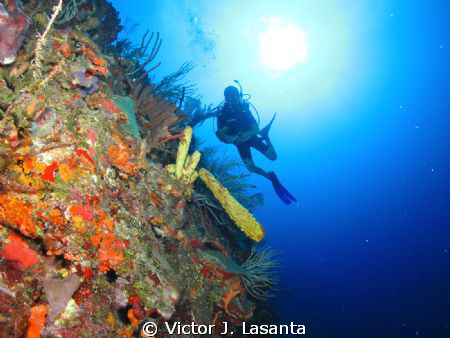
(155,114)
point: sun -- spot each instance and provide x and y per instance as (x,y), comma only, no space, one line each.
(282,45)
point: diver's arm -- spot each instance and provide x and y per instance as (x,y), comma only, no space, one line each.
(201,118)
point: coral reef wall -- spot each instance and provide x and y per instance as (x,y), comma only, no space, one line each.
(95,239)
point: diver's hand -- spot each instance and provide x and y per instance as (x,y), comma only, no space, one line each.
(221,133)
(224,136)
(236,138)
(248,134)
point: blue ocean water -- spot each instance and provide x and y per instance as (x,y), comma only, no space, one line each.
(363,141)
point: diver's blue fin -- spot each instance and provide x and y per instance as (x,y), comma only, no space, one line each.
(281,191)
(265,131)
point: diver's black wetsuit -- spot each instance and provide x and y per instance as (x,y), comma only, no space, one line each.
(240,120)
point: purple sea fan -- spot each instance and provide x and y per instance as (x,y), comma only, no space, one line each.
(13,27)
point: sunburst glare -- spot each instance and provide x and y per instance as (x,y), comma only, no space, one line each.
(282,45)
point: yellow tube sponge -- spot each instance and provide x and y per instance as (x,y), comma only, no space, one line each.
(183,149)
(189,167)
(193,177)
(170,168)
(240,215)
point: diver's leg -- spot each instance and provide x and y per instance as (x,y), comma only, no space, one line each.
(266,148)
(254,169)
(246,156)
(265,131)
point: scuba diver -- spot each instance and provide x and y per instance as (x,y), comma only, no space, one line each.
(236,125)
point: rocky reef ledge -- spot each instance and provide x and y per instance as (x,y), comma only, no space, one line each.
(97,237)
